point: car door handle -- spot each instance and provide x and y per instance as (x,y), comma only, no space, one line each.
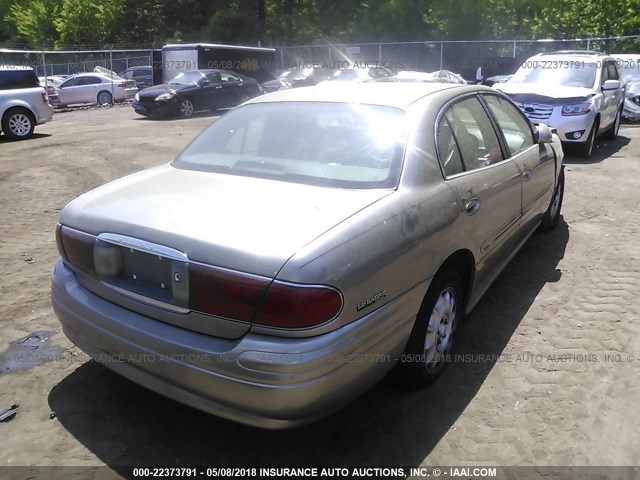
(526,175)
(472,206)
(219,86)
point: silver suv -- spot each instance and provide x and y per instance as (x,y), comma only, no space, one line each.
(579,93)
(23,102)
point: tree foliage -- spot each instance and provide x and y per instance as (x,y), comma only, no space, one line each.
(286,22)
(33,21)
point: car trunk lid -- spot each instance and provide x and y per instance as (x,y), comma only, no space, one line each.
(164,220)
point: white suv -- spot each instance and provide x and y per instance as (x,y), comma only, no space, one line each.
(579,93)
(23,102)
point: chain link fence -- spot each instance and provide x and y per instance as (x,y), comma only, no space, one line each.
(462,57)
(69,62)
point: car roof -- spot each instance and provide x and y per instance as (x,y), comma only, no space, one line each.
(95,74)
(386,94)
(573,55)
(625,55)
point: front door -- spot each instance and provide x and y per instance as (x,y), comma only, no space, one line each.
(537,166)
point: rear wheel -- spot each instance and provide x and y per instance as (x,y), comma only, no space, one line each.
(105,98)
(18,123)
(429,346)
(612,133)
(585,150)
(552,215)
(186,108)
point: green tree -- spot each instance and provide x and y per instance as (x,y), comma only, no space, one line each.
(33,21)
(92,23)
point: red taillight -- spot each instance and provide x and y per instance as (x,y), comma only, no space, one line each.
(237,295)
(225,293)
(76,248)
(298,306)
(45,97)
(59,242)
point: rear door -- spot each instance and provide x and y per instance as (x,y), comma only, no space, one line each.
(87,89)
(234,90)
(535,162)
(485,182)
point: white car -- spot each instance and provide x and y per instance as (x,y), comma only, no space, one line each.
(579,93)
(97,88)
(442,76)
(23,102)
(356,74)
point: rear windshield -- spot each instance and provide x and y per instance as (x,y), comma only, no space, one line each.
(13,79)
(323,144)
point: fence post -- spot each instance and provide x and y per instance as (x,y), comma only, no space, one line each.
(379,53)
(588,43)
(329,47)
(113,99)
(282,58)
(44,69)
(514,48)
(441,52)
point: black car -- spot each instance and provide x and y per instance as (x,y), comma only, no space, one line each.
(142,75)
(196,90)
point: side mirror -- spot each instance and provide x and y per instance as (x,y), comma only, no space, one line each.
(543,134)
(610,85)
(204,82)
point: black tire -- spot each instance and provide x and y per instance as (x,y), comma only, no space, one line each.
(552,215)
(612,132)
(18,123)
(186,108)
(585,149)
(104,98)
(417,367)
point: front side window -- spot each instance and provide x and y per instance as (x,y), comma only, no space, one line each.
(612,71)
(186,78)
(314,143)
(515,127)
(473,133)
(72,82)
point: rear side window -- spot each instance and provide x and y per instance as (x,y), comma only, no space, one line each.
(14,79)
(515,128)
(473,133)
(88,81)
(449,152)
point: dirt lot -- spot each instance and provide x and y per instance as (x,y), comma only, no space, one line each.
(548,371)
